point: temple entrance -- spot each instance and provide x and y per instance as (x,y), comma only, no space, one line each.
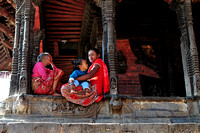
(62,22)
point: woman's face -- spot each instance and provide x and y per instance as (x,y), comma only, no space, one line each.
(47,59)
(92,55)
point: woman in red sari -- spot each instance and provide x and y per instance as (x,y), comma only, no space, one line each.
(98,77)
(46,81)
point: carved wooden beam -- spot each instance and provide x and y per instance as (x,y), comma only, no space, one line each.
(7,44)
(7,15)
(6,31)
(12,3)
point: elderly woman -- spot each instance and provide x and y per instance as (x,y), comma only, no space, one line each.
(44,80)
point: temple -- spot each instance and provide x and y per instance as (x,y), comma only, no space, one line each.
(149,46)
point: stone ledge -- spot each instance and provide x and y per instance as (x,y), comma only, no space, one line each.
(53,127)
(131,107)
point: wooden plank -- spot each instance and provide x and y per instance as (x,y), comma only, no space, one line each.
(63,36)
(80,1)
(62,8)
(63,12)
(64,19)
(70,40)
(76,3)
(64,24)
(66,5)
(63,28)
(61,16)
(64,32)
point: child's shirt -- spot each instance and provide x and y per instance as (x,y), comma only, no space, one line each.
(77,73)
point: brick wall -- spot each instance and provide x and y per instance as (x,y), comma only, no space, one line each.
(129,83)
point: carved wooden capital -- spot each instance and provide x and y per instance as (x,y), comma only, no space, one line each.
(175,3)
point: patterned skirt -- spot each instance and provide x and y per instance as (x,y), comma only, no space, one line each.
(80,97)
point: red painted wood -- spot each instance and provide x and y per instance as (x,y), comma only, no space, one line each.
(64,28)
(64,12)
(76,3)
(64,19)
(64,24)
(62,8)
(66,5)
(37,19)
(61,16)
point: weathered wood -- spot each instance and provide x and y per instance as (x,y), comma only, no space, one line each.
(108,14)
(188,47)
(6,31)
(25,48)
(7,15)
(8,45)
(14,74)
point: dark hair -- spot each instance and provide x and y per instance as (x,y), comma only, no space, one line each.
(76,63)
(95,50)
(40,57)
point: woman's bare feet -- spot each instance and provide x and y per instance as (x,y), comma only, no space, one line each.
(56,94)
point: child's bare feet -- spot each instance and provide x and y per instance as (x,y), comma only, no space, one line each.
(87,91)
(73,92)
(87,94)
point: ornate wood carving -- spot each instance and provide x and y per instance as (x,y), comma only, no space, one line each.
(188,47)
(23,81)
(14,79)
(109,42)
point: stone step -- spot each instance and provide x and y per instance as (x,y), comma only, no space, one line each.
(53,127)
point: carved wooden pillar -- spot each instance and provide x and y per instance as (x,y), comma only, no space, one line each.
(188,47)
(23,81)
(14,77)
(109,42)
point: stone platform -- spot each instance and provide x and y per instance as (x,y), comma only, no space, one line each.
(46,114)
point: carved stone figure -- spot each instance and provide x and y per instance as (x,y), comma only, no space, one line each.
(20,105)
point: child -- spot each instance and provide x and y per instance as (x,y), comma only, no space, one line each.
(80,68)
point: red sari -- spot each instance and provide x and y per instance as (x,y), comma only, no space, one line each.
(100,85)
